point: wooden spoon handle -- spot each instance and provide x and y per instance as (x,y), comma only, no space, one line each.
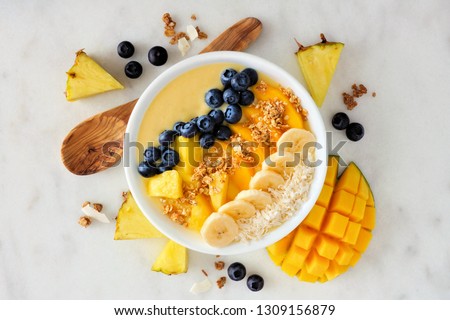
(97,143)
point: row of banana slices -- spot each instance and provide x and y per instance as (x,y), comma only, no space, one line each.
(220,228)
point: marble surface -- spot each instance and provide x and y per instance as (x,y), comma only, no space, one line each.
(399,49)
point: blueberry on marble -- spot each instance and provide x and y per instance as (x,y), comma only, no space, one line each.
(157,56)
(125,49)
(133,69)
(236,271)
(355,131)
(340,121)
(255,282)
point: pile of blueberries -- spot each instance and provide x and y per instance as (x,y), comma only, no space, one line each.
(211,126)
(133,69)
(236,272)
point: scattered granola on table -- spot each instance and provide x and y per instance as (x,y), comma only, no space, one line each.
(357,92)
(221,282)
(219,265)
(84,221)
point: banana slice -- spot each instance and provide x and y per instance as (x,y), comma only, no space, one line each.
(259,199)
(294,140)
(238,209)
(266,179)
(219,229)
(281,163)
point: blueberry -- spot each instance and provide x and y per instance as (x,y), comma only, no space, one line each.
(189,129)
(226,76)
(246,98)
(163,148)
(157,56)
(177,126)
(233,114)
(223,133)
(206,140)
(214,98)
(340,121)
(147,169)
(240,82)
(133,69)
(217,115)
(205,124)
(167,137)
(170,158)
(355,131)
(255,282)
(125,49)
(152,154)
(236,271)
(252,74)
(231,96)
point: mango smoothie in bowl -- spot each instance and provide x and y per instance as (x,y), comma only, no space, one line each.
(226,154)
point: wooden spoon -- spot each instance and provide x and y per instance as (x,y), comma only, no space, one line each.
(97,143)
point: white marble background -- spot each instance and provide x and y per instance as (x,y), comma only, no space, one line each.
(400,49)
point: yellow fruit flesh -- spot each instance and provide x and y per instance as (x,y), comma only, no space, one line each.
(87,78)
(131,222)
(218,189)
(172,260)
(318,64)
(334,234)
(167,184)
(200,212)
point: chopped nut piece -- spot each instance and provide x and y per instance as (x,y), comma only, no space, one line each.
(86,203)
(221,282)
(84,221)
(178,36)
(357,92)
(204,272)
(219,265)
(201,34)
(193,17)
(98,207)
(374,94)
(349,101)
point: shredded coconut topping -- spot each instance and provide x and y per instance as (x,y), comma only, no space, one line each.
(287,200)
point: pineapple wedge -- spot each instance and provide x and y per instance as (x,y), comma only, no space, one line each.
(172,260)
(318,63)
(87,78)
(131,222)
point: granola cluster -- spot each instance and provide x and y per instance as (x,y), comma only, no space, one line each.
(170,32)
(357,92)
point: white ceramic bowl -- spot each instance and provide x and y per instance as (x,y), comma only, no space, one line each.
(182,235)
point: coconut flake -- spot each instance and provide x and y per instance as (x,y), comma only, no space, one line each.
(192,32)
(183,45)
(94,214)
(201,286)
